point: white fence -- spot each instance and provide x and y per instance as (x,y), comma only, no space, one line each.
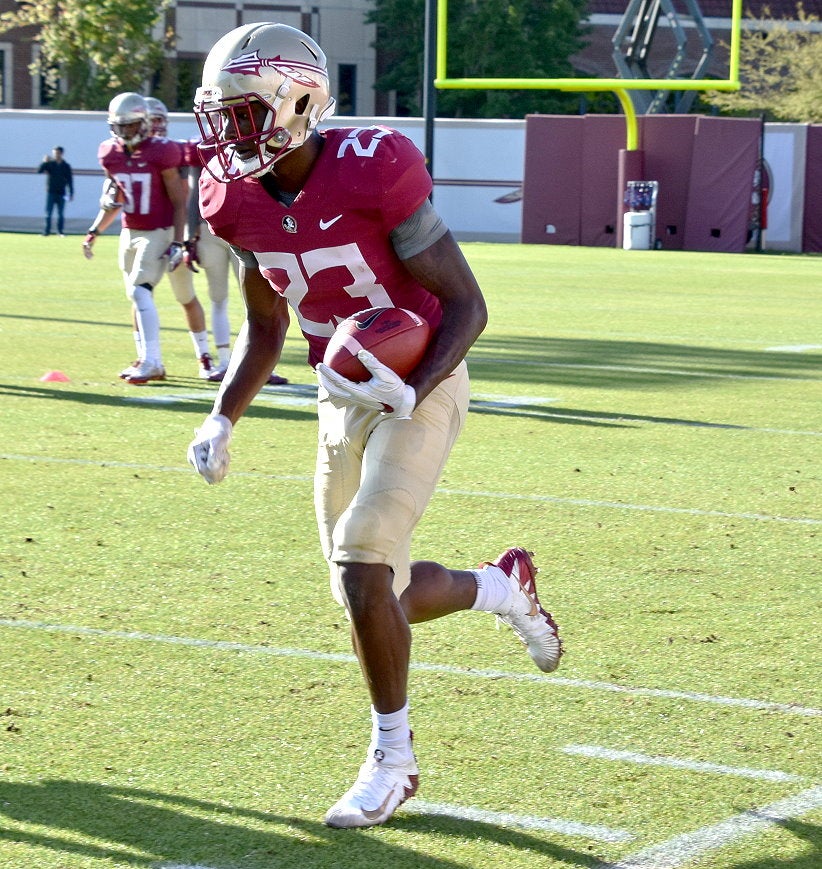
(475,163)
(478,170)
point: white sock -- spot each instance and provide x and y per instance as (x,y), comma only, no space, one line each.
(224,354)
(493,588)
(148,322)
(138,345)
(391,732)
(220,329)
(200,342)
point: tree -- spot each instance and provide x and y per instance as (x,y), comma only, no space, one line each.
(96,50)
(486,38)
(780,70)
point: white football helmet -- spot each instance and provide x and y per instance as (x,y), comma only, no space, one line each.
(272,65)
(124,110)
(158,116)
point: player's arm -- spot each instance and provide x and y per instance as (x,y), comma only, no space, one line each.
(442,269)
(258,345)
(256,353)
(177,190)
(105,217)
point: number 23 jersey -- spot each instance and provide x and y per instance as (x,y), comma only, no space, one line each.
(329,253)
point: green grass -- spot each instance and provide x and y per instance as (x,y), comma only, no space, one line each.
(176,683)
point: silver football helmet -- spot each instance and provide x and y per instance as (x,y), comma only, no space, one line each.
(265,89)
(123,111)
(158,116)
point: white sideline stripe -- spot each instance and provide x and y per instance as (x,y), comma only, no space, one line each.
(340,657)
(463,493)
(599,753)
(525,822)
(793,348)
(689,846)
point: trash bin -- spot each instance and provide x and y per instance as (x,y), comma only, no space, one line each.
(639,222)
(636,230)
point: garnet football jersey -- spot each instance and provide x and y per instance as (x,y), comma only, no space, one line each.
(329,253)
(139,173)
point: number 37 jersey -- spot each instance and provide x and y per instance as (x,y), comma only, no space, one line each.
(329,253)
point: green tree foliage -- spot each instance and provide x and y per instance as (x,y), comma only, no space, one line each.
(97,49)
(780,71)
(486,38)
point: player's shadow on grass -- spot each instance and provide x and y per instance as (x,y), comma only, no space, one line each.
(142,828)
(156,397)
(628,364)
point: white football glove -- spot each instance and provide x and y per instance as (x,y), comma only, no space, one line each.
(175,254)
(208,452)
(385,391)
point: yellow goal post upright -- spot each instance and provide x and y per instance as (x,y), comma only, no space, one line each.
(618,86)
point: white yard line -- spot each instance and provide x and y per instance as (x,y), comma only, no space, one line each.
(682,849)
(598,752)
(340,657)
(463,493)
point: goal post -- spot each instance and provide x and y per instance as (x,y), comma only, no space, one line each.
(619,86)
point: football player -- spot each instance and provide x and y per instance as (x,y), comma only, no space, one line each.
(330,223)
(153,214)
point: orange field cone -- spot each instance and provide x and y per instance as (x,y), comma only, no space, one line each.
(55,377)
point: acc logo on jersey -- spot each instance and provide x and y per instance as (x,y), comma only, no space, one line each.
(289,224)
(251,64)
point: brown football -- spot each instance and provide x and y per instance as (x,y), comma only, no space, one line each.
(397,338)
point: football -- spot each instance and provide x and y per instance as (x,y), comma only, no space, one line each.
(397,338)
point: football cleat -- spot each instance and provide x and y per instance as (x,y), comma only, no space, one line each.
(522,611)
(144,372)
(379,789)
(126,372)
(217,374)
(206,366)
(274,379)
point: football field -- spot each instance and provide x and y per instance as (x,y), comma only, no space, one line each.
(177,687)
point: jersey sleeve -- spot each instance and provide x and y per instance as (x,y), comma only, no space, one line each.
(405,182)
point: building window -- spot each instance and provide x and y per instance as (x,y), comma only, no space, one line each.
(347,89)
(5,78)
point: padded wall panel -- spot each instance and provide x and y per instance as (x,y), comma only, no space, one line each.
(603,137)
(552,185)
(668,142)
(722,170)
(812,218)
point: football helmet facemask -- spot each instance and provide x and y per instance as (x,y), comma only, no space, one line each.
(265,88)
(158,116)
(123,111)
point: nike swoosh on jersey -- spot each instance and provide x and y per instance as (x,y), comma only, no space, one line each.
(326,224)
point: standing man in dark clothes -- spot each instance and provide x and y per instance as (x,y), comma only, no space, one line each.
(59,187)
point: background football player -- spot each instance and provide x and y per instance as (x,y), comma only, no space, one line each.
(330,223)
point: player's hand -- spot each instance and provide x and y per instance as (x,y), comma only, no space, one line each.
(208,452)
(88,241)
(190,257)
(385,391)
(175,254)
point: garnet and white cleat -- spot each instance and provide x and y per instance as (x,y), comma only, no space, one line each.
(379,789)
(523,613)
(144,372)
(206,366)
(126,372)
(218,374)
(274,379)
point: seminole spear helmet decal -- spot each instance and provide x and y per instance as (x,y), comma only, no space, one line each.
(265,88)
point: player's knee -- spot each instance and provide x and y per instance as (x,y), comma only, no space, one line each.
(139,292)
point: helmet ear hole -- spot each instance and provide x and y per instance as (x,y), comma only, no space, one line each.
(301,105)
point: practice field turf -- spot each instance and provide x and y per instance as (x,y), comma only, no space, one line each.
(177,687)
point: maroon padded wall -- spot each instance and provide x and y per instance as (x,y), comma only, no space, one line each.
(668,143)
(603,137)
(726,151)
(812,217)
(552,186)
